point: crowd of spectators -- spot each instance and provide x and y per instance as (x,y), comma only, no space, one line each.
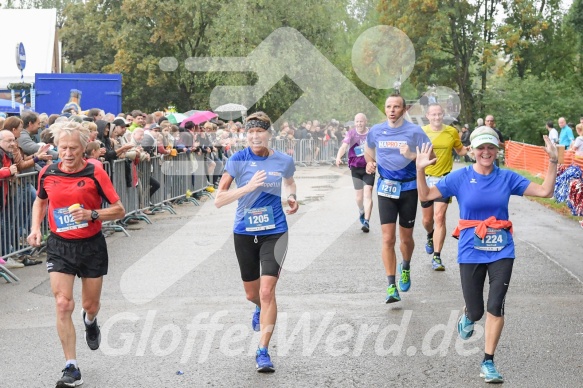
(134,137)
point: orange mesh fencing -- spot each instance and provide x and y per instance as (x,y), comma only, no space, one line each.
(533,158)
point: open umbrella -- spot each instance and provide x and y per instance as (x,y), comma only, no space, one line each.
(176,118)
(6,106)
(200,117)
(231,111)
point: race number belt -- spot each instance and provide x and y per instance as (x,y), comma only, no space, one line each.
(390,188)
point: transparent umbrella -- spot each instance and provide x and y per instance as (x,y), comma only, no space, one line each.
(231,111)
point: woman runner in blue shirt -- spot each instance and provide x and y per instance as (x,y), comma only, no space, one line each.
(260,230)
(485,243)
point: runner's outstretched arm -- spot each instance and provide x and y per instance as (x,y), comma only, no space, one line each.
(425,157)
(547,188)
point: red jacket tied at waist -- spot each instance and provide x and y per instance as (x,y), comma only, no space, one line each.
(482,226)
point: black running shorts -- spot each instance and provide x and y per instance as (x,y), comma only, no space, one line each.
(426,204)
(361,178)
(405,207)
(264,257)
(86,258)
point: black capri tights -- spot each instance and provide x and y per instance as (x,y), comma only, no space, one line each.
(473,277)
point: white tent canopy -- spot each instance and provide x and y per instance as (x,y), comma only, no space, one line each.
(36,29)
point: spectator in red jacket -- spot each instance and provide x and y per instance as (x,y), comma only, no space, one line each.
(7,170)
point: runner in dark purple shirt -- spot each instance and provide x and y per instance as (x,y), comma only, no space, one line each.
(363,183)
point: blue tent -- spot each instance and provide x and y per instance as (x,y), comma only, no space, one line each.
(6,106)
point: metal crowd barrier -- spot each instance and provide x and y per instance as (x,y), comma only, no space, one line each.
(17,195)
(180,177)
(174,170)
(308,151)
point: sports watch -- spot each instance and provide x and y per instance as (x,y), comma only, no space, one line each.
(94,215)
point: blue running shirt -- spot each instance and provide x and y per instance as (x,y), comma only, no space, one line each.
(387,141)
(242,166)
(480,197)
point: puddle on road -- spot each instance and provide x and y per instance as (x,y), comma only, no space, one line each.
(311,198)
(320,188)
(326,184)
(328,177)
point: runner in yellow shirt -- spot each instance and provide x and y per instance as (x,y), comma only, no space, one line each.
(444,138)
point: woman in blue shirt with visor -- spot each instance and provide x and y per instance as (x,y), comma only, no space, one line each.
(260,229)
(485,245)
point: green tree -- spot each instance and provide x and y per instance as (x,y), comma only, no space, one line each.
(575,20)
(488,56)
(85,37)
(536,38)
(132,36)
(448,38)
(523,105)
(242,26)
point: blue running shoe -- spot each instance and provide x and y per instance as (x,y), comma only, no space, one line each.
(405,279)
(255,320)
(465,327)
(361,218)
(71,377)
(264,364)
(365,226)
(490,373)
(392,294)
(429,246)
(436,264)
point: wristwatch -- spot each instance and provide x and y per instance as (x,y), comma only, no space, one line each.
(94,215)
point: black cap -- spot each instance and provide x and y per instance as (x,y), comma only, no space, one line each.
(120,122)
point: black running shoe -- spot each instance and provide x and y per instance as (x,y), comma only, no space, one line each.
(71,377)
(92,334)
(365,226)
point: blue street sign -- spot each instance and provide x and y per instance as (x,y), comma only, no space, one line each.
(20,56)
